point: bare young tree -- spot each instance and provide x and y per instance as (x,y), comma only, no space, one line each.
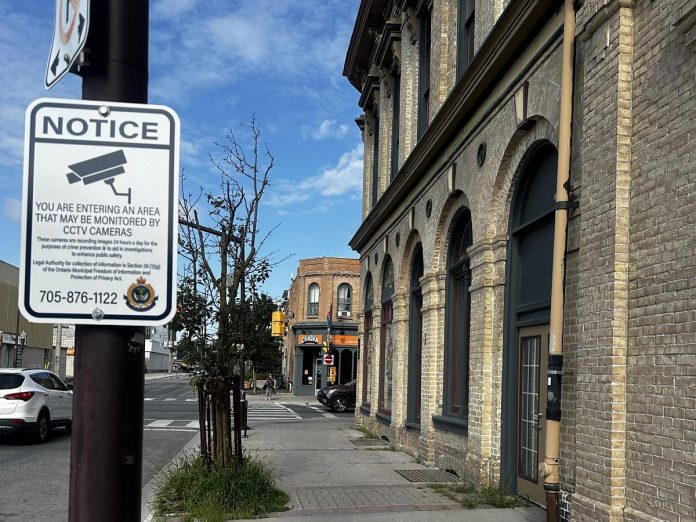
(224,253)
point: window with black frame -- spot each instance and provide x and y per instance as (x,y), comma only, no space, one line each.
(455,414)
(424,72)
(465,35)
(396,115)
(375,161)
(386,341)
(313,300)
(367,344)
(413,416)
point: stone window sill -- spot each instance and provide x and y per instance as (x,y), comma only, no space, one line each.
(413,426)
(451,424)
(384,419)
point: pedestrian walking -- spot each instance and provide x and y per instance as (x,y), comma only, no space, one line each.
(269,387)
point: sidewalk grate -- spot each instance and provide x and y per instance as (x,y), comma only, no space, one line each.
(426,475)
(368,442)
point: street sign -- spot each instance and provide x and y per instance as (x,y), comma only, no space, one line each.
(328,360)
(99,213)
(69,37)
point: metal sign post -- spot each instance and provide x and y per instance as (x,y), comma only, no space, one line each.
(107,439)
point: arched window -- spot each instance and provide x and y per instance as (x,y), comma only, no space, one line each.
(367,344)
(415,339)
(457,311)
(345,300)
(313,300)
(386,341)
(528,308)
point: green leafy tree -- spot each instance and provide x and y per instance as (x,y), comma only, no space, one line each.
(257,346)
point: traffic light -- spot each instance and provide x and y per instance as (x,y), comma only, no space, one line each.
(278,324)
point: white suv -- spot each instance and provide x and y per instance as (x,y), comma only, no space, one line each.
(33,401)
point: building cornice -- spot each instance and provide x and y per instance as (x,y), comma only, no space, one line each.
(515,29)
(385,54)
(370,92)
(357,64)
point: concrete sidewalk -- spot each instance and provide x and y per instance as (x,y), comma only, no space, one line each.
(326,475)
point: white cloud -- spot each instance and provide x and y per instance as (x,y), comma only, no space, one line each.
(221,44)
(330,129)
(12,209)
(343,179)
(24,68)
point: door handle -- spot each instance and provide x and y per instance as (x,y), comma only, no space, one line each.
(538,422)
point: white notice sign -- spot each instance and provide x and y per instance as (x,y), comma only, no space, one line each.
(99,213)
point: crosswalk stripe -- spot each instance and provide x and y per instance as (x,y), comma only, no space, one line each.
(271,412)
(160,423)
(170,399)
(257,413)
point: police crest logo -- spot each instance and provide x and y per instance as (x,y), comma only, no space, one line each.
(140,296)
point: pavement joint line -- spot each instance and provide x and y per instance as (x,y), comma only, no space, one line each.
(170,429)
(368,509)
(368,487)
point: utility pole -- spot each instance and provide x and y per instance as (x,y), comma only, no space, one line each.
(56,358)
(107,437)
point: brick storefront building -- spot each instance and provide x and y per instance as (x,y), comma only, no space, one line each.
(321,285)
(467,128)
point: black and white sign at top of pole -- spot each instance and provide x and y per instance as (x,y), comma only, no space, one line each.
(99,213)
(71,25)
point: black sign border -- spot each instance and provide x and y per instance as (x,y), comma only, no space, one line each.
(30,200)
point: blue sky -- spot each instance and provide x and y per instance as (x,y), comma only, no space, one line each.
(217,63)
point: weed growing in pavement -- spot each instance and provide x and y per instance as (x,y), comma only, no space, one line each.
(471,497)
(192,492)
(368,433)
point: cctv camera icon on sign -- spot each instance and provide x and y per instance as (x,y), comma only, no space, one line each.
(102,168)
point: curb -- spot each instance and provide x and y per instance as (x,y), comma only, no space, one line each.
(149,489)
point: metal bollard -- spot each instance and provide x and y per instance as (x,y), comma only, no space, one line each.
(244,409)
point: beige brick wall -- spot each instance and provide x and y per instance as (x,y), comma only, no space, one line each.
(488,193)
(661,374)
(409,84)
(627,434)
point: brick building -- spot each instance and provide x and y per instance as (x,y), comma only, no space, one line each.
(467,129)
(31,350)
(321,285)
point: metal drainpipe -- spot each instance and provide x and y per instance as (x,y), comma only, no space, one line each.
(550,468)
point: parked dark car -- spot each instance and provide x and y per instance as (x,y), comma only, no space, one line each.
(339,397)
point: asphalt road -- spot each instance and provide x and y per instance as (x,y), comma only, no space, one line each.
(36,477)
